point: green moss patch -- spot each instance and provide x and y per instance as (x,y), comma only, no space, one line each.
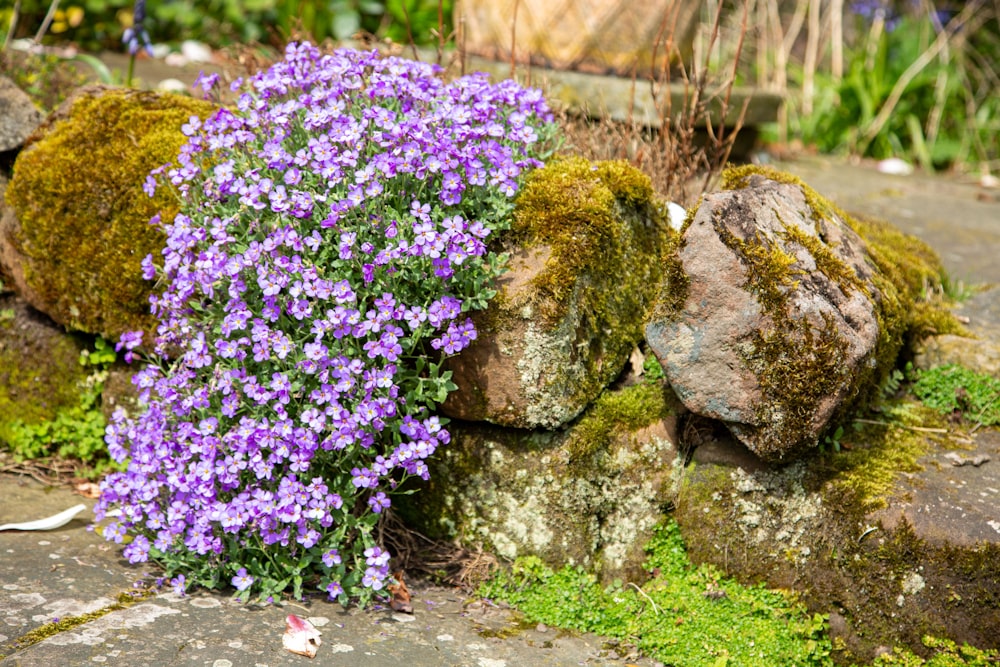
(124,601)
(77,192)
(618,412)
(880,452)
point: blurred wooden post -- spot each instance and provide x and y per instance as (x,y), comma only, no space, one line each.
(811,56)
(837,39)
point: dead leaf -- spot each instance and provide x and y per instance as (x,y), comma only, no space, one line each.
(300,637)
(400,595)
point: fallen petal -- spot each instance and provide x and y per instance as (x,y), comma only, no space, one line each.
(301,637)
(89,490)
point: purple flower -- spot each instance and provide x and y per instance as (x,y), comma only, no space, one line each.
(334,590)
(331,233)
(242,580)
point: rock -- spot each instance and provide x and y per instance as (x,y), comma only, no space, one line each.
(888,538)
(18,116)
(77,227)
(979,351)
(569,312)
(118,391)
(40,371)
(787,317)
(587,496)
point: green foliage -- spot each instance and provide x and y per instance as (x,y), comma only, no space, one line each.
(652,371)
(684,615)
(947,113)
(945,654)
(76,432)
(953,388)
(98,24)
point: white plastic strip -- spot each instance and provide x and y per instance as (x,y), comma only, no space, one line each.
(51,523)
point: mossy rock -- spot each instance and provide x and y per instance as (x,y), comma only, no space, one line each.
(587,496)
(40,371)
(837,530)
(583,274)
(82,226)
(792,313)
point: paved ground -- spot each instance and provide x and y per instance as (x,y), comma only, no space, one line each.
(67,572)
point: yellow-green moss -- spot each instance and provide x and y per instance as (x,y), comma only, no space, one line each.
(123,601)
(77,192)
(580,211)
(675,282)
(40,373)
(868,472)
(827,263)
(617,412)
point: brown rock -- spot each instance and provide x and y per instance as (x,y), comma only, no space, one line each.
(571,308)
(780,322)
(18,116)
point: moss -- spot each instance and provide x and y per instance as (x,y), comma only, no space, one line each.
(617,412)
(845,277)
(867,473)
(578,210)
(77,191)
(40,373)
(43,632)
(682,615)
(675,283)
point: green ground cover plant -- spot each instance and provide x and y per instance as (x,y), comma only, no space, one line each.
(683,615)
(693,616)
(955,389)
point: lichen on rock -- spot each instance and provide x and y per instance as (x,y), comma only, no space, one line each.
(78,227)
(588,496)
(582,277)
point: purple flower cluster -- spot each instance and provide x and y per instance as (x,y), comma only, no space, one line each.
(331,241)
